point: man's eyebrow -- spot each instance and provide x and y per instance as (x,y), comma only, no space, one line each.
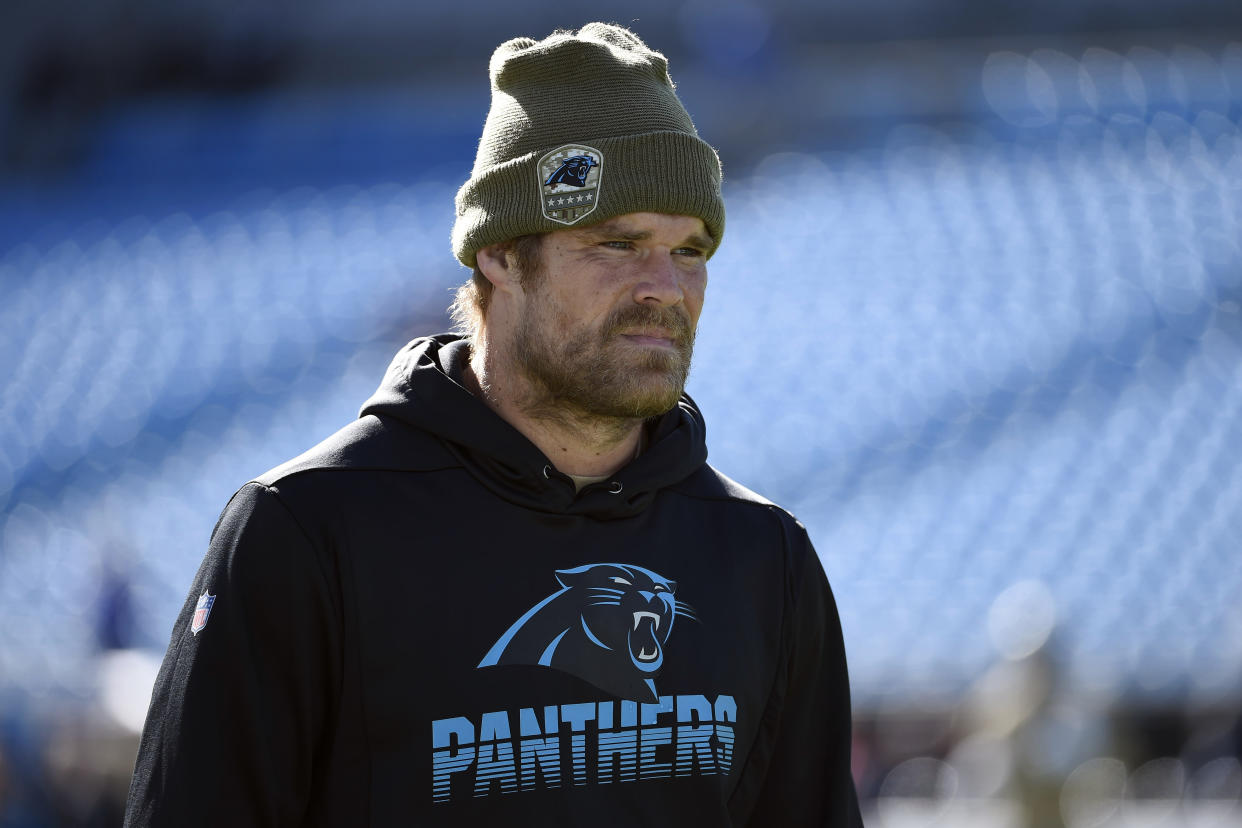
(701,240)
(609,230)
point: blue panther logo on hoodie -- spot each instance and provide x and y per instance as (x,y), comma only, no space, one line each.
(608,625)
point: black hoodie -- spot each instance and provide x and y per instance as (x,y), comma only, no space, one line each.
(420,622)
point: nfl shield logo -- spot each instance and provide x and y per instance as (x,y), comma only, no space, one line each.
(202,610)
(569,182)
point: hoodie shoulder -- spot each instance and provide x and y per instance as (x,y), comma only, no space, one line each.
(371,442)
(712,484)
(709,483)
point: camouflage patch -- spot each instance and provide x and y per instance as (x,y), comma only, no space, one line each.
(569,182)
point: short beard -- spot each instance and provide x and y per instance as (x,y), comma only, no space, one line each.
(581,378)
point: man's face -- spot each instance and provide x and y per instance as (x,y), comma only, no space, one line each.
(606,326)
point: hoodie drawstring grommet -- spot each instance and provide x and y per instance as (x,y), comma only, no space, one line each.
(547,472)
(614,487)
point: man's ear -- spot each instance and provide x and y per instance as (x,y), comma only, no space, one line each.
(496,264)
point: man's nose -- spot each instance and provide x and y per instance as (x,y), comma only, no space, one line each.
(660,282)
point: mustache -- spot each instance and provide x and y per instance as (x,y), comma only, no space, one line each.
(672,318)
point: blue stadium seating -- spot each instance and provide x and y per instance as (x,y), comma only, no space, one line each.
(967,360)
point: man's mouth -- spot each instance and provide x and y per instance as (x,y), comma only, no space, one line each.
(657,338)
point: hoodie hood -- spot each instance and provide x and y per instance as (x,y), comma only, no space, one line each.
(424,388)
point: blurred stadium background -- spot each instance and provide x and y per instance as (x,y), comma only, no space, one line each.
(977,321)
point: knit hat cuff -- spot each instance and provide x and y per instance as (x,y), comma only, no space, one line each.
(659,172)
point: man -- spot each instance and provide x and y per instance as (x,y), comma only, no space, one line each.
(513,592)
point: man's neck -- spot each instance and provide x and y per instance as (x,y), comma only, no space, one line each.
(577,443)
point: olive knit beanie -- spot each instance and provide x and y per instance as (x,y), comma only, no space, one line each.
(583,127)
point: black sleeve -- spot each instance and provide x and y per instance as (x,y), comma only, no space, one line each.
(798,773)
(239,710)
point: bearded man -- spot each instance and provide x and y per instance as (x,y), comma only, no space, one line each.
(513,591)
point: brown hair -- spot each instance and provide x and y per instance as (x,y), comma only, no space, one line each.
(469,307)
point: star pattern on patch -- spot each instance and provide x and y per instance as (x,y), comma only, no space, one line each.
(578,199)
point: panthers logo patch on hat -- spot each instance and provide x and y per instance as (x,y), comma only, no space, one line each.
(569,182)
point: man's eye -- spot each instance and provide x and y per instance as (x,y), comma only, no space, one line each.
(617,245)
(689,251)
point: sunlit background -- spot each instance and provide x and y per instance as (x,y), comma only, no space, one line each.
(977,321)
